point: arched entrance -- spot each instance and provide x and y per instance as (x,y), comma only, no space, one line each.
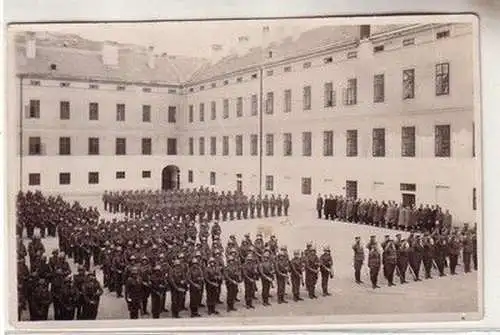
(170,178)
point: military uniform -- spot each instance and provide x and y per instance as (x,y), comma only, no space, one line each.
(233,276)
(282,275)
(266,271)
(196,280)
(312,269)
(390,261)
(91,293)
(374,265)
(213,278)
(359,257)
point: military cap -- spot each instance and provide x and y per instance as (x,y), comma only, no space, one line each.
(144,258)
(62,254)
(372,236)
(157,267)
(132,257)
(326,248)
(134,270)
(398,235)
(55,251)
(357,238)
(387,236)
(249,257)
(230,258)
(80,268)
(211,260)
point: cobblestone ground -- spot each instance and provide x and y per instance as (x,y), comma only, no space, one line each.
(450,294)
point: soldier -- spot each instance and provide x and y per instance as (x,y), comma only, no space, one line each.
(117,272)
(178,284)
(279,205)
(251,206)
(145,270)
(272,205)
(454,251)
(389,256)
(245,205)
(282,267)
(233,277)
(266,272)
(359,257)
(428,256)
(57,282)
(265,205)
(402,255)
(134,293)
(319,206)
(312,269)
(374,265)
(213,278)
(474,248)
(69,299)
(286,204)
(78,280)
(467,251)
(250,276)
(258,206)
(296,271)
(41,299)
(415,257)
(195,280)
(158,290)
(326,264)
(91,293)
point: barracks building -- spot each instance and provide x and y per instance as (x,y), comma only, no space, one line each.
(382,112)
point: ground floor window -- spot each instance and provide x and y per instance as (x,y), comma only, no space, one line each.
(64,178)
(34,179)
(190,176)
(93,177)
(306,185)
(120,174)
(269,183)
(146,174)
(351,189)
(212,179)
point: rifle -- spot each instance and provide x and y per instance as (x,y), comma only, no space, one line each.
(413,273)
(328,270)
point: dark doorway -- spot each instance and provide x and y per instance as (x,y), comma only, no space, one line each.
(408,199)
(170,178)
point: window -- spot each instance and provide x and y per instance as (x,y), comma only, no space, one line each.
(408,41)
(120,112)
(378,48)
(212,178)
(269,144)
(352,54)
(64,84)
(190,176)
(442,141)
(329,95)
(269,183)
(239,145)
(146,174)
(405,187)
(328,143)
(287,144)
(408,141)
(120,175)
(239,107)
(350,93)
(64,178)
(35,146)
(307,98)
(306,65)
(64,146)
(171,146)
(121,146)
(93,86)
(442,79)
(191,89)
(202,88)
(306,186)
(201,143)
(93,177)
(306,144)
(270,103)
(378,142)
(226,82)
(64,111)
(239,79)
(254,76)
(213,145)
(93,111)
(254,145)
(120,88)
(191,113)
(327,60)
(288,100)
(191,146)
(213,110)
(93,146)
(146,89)
(225,145)
(408,84)
(225,109)
(378,88)
(202,112)
(254,105)
(474,199)
(442,34)
(213,85)
(146,113)
(287,69)
(351,189)
(172,114)
(34,109)
(146,146)
(34,179)
(35,82)
(269,73)
(352,143)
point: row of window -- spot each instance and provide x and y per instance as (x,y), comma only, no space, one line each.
(65,111)
(34,179)
(330,95)
(94,86)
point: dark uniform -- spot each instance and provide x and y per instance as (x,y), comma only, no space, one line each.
(233,276)
(326,269)
(296,271)
(178,284)
(312,269)
(91,293)
(213,278)
(374,265)
(266,271)
(250,276)
(196,281)
(282,270)
(134,293)
(359,257)
(390,261)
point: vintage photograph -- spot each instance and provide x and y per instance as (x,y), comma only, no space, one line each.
(245,169)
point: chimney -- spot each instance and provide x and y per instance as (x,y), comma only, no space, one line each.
(364,32)
(242,47)
(30,45)
(151,57)
(110,54)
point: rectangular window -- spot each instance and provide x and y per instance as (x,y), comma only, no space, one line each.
(307,98)
(287,69)
(408,41)
(254,145)
(120,175)
(288,100)
(201,144)
(254,105)
(34,179)
(146,146)
(212,178)
(93,146)
(306,65)
(270,103)
(120,112)
(378,142)
(329,95)
(269,73)
(351,189)
(34,109)
(225,109)
(442,79)
(146,174)
(190,176)
(121,146)
(442,34)
(287,144)
(64,146)
(269,183)
(35,146)
(352,143)
(327,60)
(474,199)
(172,114)
(239,107)
(64,110)
(225,146)
(408,141)
(408,84)
(93,111)
(146,89)
(213,145)
(35,82)
(269,144)
(64,178)
(202,112)
(191,146)
(191,113)
(120,88)
(328,143)
(306,186)
(352,54)
(213,110)
(146,113)
(93,177)
(378,48)
(406,187)
(306,143)
(239,145)
(171,146)
(442,141)
(93,86)
(351,92)
(378,88)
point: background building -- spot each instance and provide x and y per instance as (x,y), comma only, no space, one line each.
(383,112)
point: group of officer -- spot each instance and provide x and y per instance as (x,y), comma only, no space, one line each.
(199,203)
(437,250)
(382,214)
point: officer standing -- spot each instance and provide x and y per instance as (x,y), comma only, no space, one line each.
(428,256)
(212,277)
(158,289)
(258,206)
(296,271)
(286,204)
(374,265)
(312,269)
(279,204)
(134,293)
(319,206)
(467,251)
(232,275)
(195,280)
(265,205)
(92,292)
(266,271)
(69,299)
(454,251)
(402,249)
(326,269)
(282,269)
(250,276)
(359,257)
(178,284)
(389,256)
